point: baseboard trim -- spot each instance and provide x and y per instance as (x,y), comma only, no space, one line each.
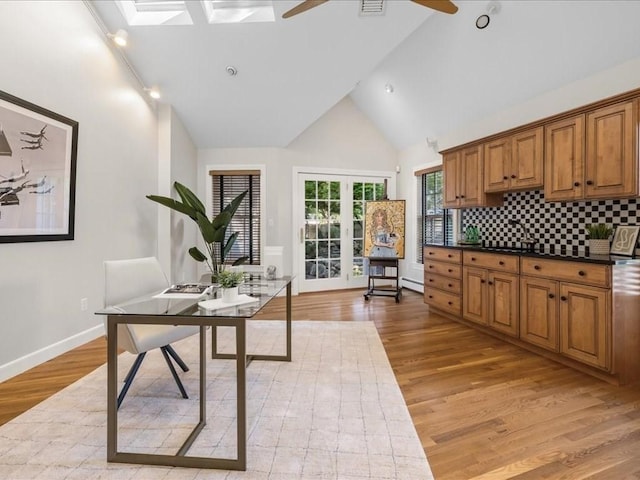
(412,284)
(22,364)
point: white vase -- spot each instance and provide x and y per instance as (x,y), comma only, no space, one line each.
(599,246)
(229,295)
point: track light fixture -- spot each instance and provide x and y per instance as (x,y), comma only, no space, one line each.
(120,38)
(153,92)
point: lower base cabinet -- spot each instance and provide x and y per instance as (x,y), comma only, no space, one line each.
(539,312)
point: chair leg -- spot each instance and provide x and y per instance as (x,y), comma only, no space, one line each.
(177,358)
(173,372)
(129,378)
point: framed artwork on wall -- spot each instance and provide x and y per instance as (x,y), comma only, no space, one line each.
(624,240)
(384,229)
(38,154)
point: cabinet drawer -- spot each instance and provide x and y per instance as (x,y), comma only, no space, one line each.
(491,261)
(448,284)
(578,272)
(449,302)
(442,254)
(441,268)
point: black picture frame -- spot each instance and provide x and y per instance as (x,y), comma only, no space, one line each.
(38,157)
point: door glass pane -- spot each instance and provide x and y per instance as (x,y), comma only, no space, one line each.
(335,190)
(310,250)
(362,191)
(310,189)
(323,190)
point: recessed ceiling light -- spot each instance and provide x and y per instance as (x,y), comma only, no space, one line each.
(388,88)
(153,92)
(231,70)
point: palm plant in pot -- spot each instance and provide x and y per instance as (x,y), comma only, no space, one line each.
(598,235)
(214,231)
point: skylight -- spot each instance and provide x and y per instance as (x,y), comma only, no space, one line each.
(155,12)
(238,11)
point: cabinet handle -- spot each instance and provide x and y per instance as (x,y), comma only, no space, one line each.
(576,184)
(513,176)
(582,273)
(563,298)
(449,285)
(589,182)
(449,270)
(430,266)
(449,256)
(500,262)
(461,196)
(431,280)
(536,267)
(551,295)
(505,178)
(430,296)
(457,196)
(450,303)
(482,281)
(473,259)
(490,282)
(431,253)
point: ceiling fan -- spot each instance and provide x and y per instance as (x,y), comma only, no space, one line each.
(445,6)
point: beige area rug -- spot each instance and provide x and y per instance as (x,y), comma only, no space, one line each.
(334,412)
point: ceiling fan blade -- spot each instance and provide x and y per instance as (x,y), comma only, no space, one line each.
(303,7)
(444,6)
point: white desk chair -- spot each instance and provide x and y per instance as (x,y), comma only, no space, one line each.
(129,279)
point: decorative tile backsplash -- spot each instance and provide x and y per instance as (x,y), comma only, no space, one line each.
(553,224)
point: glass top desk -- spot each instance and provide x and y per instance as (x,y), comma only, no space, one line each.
(161,311)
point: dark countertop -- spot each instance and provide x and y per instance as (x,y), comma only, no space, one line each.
(545,252)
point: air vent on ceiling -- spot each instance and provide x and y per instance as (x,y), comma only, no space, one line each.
(371,7)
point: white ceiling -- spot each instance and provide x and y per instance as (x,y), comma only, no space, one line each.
(445,72)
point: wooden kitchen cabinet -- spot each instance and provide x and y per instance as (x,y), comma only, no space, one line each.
(443,278)
(463,179)
(539,312)
(611,162)
(490,291)
(564,159)
(514,162)
(585,324)
(594,155)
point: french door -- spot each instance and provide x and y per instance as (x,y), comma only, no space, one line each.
(331,232)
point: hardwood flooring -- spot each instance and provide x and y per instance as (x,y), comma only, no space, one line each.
(483,409)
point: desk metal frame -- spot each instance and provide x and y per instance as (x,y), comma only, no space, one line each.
(180,459)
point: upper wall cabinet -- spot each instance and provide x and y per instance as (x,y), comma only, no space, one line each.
(514,162)
(593,155)
(462,170)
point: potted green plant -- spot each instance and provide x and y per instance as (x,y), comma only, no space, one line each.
(598,235)
(229,282)
(214,231)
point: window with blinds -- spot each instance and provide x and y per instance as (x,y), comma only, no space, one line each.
(435,223)
(227,185)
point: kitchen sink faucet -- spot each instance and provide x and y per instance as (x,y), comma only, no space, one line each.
(527,239)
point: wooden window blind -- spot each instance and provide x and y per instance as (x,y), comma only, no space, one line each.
(226,185)
(435,223)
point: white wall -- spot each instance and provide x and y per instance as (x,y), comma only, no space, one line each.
(177,162)
(342,139)
(54,55)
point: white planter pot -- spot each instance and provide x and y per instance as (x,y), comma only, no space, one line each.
(599,246)
(229,295)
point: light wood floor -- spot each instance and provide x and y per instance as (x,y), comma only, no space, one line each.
(482,409)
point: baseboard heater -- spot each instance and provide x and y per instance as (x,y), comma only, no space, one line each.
(412,284)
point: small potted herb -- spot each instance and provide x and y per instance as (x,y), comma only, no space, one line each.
(229,281)
(598,235)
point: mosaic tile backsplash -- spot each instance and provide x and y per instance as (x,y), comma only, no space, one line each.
(552,224)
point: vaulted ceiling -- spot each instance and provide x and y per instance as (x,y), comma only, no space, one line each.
(445,72)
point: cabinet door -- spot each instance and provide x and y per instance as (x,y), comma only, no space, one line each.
(585,324)
(497,165)
(611,165)
(452,178)
(471,188)
(539,312)
(474,295)
(527,159)
(564,159)
(503,302)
